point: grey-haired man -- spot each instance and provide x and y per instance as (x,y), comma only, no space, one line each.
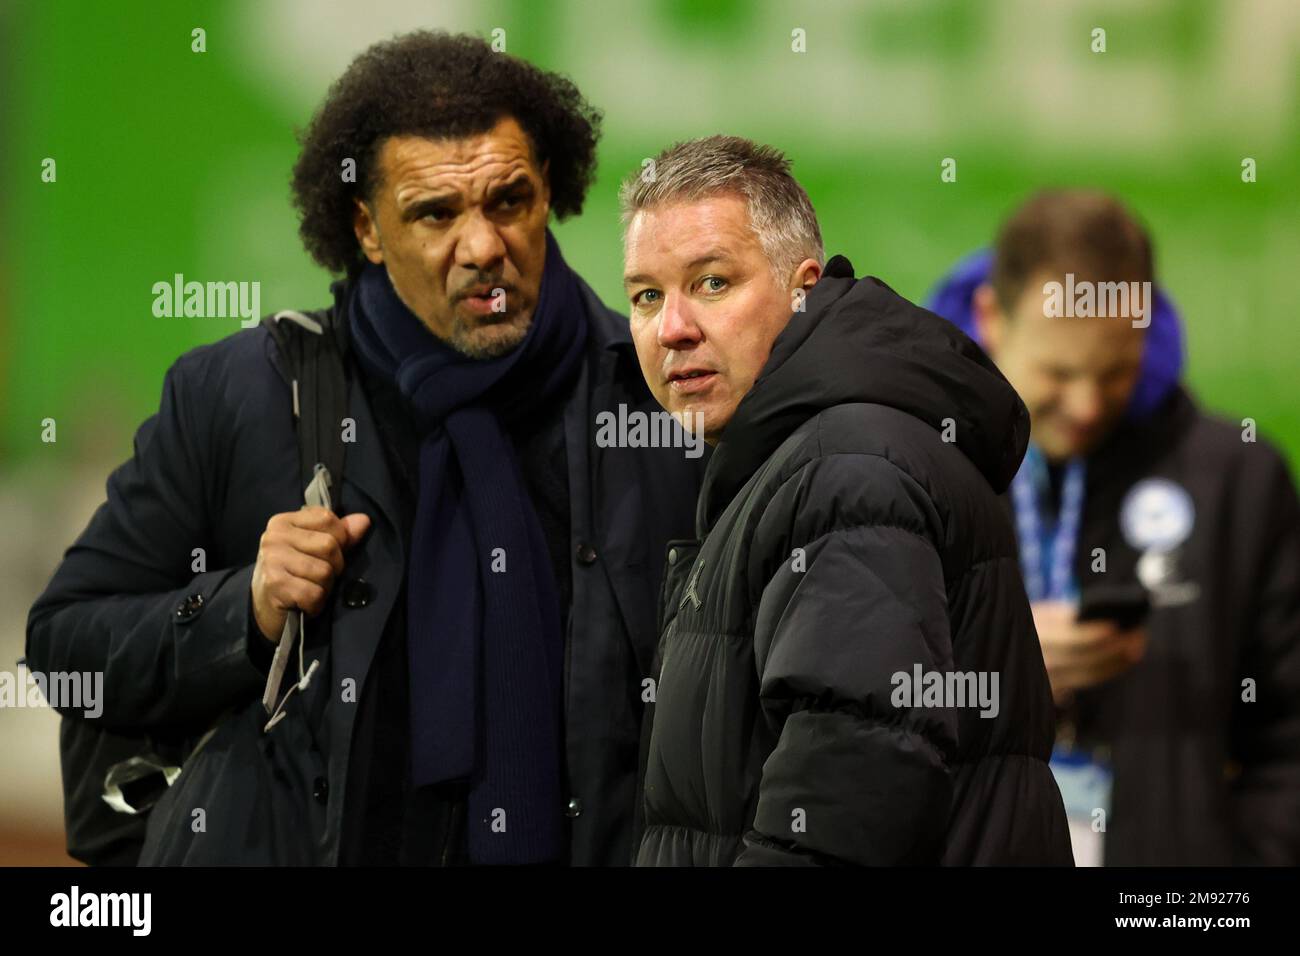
(849,670)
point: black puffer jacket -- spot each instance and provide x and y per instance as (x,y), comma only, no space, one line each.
(851,532)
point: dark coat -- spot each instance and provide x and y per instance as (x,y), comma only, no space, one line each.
(844,541)
(209,470)
(1202,776)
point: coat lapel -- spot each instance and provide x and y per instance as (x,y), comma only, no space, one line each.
(617,500)
(368,487)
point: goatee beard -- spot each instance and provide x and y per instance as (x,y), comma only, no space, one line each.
(501,337)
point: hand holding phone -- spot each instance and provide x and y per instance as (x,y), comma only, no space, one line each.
(1082,653)
(1125,604)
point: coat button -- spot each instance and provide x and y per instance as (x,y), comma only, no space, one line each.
(320,789)
(575,807)
(672,555)
(586,553)
(189,607)
(357,592)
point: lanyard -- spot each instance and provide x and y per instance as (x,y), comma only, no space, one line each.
(1027,489)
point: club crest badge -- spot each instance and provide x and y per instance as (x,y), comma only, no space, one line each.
(1157,515)
(1156,518)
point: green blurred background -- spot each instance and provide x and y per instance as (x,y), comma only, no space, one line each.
(174,161)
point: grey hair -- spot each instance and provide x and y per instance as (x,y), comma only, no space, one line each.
(780,212)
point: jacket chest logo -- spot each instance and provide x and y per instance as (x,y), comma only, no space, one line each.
(691,594)
(1156,518)
(1157,515)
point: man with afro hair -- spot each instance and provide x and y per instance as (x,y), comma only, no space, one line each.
(488,575)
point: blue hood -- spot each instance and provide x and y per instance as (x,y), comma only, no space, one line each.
(1162,356)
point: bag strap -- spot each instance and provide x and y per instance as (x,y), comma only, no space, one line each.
(313,356)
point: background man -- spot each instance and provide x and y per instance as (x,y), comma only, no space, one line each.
(1183,731)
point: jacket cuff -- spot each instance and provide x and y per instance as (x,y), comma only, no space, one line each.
(214,659)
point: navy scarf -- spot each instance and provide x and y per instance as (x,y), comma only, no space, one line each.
(484,644)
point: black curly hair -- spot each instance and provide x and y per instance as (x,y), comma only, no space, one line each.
(443,86)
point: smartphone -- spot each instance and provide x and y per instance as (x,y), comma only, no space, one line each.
(1126,604)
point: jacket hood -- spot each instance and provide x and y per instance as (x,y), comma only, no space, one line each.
(1162,356)
(859,341)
